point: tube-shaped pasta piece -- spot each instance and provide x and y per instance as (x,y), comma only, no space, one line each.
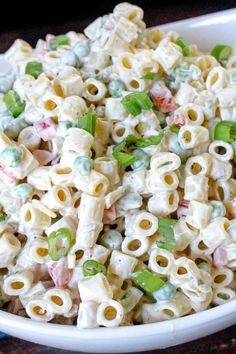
(168,55)
(163,203)
(38,250)
(95,183)
(131,12)
(29,137)
(120,130)
(32,219)
(58,300)
(222,295)
(109,168)
(166,310)
(68,82)
(95,288)
(40,179)
(134,181)
(220,169)
(95,90)
(153,37)
(78,140)
(206,63)
(161,261)
(222,277)
(57,198)
(9,248)
(37,310)
(217,79)
(184,234)
(90,220)
(121,264)
(225,190)
(191,136)
(135,246)
(198,214)
(196,188)
(221,150)
(141,224)
(66,221)
(163,162)
(193,113)
(61,175)
(156,182)
(183,270)
(87,315)
(18,283)
(110,313)
(198,165)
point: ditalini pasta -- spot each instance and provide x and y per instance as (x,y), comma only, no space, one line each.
(117,175)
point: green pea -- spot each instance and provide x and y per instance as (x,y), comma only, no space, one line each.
(5,119)
(14,103)
(34,68)
(83,165)
(115,88)
(56,41)
(204,266)
(15,126)
(218,209)
(130,200)
(69,58)
(11,156)
(23,191)
(81,49)
(165,293)
(142,161)
(111,239)
(6,81)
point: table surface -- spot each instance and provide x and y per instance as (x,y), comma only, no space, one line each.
(222,342)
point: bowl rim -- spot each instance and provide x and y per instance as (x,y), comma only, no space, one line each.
(17,322)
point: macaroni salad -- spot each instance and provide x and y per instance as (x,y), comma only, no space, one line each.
(117,165)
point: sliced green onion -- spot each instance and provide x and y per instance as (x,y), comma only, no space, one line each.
(167,239)
(218,209)
(174,129)
(14,103)
(185,49)
(34,68)
(88,122)
(59,243)
(221,52)
(226,131)
(56,41)
(83,165)
(234,146)
(12,156)
(165,293)
(149,76)
(147,280)
(3,217)
(92,267)
(204,266)
(135,102)
(122,154)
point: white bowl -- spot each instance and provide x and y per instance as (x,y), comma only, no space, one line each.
(206,31)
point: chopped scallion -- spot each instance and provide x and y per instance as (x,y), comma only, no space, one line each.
(226,131)
(135,102)
(34,68)
(167,239)
(88,122)
(221,52)
(148,281)
(185,49)
(56,41)
(92,267)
